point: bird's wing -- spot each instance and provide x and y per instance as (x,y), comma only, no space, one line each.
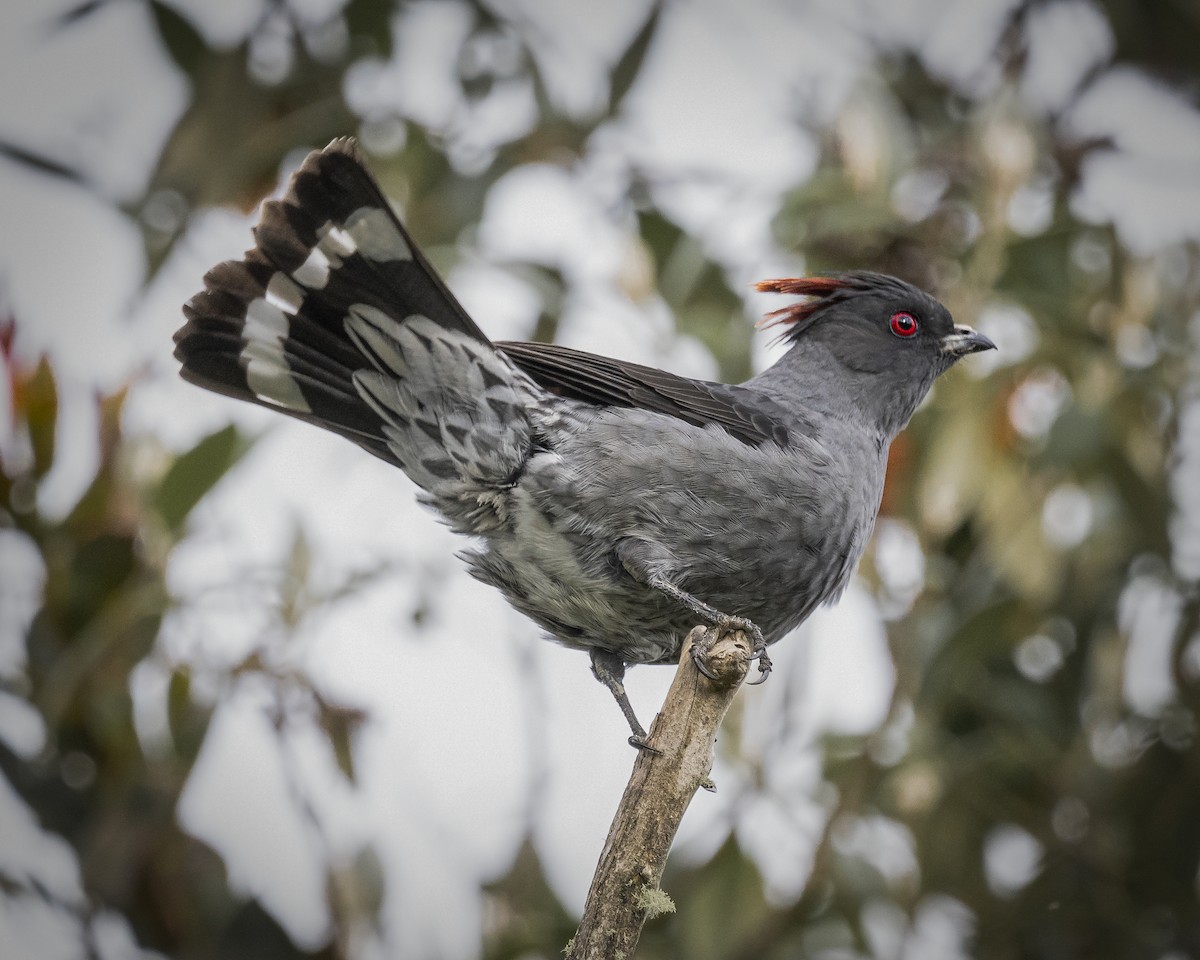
(603,381)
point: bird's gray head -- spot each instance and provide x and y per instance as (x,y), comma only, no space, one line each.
(888,339)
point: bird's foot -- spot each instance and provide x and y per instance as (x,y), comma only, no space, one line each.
(722,621)
(759,649)
(757,652)
(764,666)
(609,669)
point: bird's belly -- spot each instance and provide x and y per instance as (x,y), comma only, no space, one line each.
(750,539)
(587,604)
(779,587)
(576,590)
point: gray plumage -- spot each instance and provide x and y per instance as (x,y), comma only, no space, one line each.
(613,504)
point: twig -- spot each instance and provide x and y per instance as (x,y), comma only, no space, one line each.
(625,890)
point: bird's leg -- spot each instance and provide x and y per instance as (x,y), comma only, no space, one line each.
(723,620)
(647,563)
(609,669)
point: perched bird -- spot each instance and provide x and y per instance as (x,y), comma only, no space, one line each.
(612,503)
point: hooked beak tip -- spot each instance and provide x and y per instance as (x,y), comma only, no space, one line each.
(965,340)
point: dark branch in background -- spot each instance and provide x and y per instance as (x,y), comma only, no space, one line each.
(625,891)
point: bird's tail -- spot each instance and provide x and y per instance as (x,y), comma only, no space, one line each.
(335,317)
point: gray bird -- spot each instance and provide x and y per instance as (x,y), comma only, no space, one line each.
(612,503)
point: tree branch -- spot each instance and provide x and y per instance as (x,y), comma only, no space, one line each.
(625,890)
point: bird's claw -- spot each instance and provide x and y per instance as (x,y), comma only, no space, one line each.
(764,667)
(698,651)
(757,652)
(759,649)
(643,743)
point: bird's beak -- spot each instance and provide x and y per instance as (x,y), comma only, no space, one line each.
(964,340)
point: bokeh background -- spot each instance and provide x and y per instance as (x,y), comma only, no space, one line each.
(250,704)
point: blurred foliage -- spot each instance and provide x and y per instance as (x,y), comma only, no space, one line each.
(1012,661)
(1010,710)
(95,783)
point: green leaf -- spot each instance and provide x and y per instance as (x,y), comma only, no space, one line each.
(1038,275)
(294,589)
(195,473)
(183,43)
(340,724)
(187,720)
(629,67)
(718,906)
(371,19)
(37,400)
(99,571)
(528,915)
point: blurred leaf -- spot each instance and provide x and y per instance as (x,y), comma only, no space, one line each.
(79,12)
(108,505)
(372,880)
(629,67)
(372,20)
(340,724)
(717,907)
(526,915)
(355,891)
(551,287)
(182,42)
(697,291)
(1078,439)
(253,934)
(179,698)
(1038,274)
(1160,37)
(187,719)
(660,234)
(294,588)
(196,472)
(40,163)
(99,569)
(36,401)
(228,146)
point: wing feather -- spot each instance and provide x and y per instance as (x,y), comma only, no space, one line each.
(750,417)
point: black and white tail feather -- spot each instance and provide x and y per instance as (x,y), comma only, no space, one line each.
(336,318)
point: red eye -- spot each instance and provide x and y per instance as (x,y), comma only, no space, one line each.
(904,325)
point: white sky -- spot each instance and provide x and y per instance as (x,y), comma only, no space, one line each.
(475,718)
